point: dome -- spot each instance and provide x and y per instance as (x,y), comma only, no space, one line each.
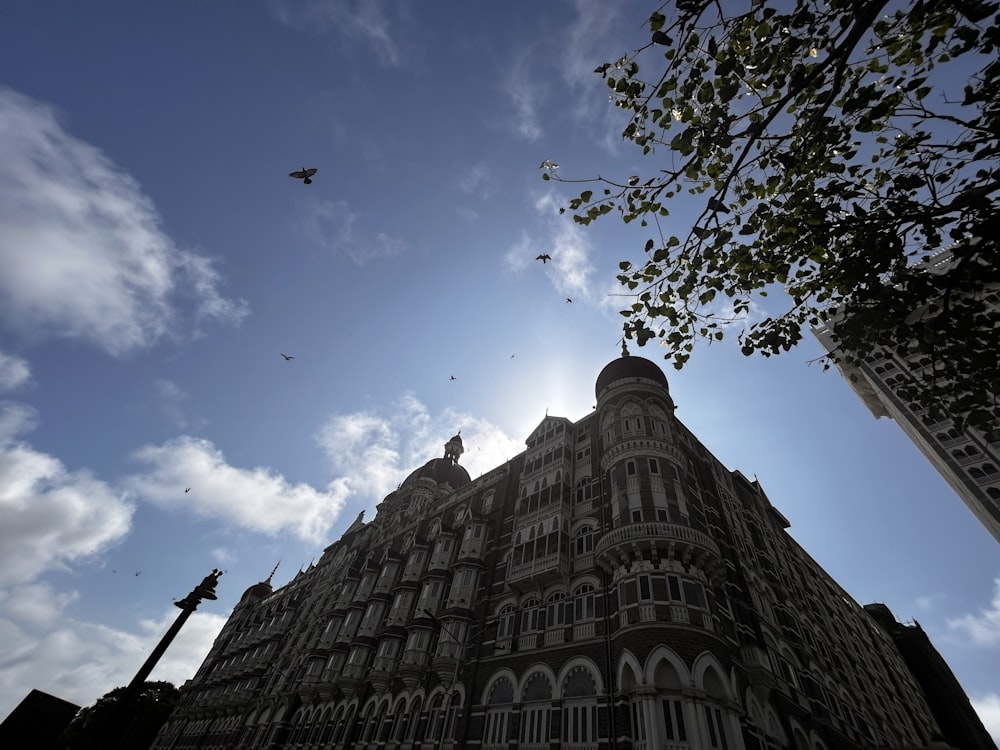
(441,470)
(257,591)
(629,367)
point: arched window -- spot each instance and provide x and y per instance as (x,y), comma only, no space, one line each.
(435,722)
(579,724)
(506,620)
(671,714)
(715,718)
(993,493)
(583,543)
(989,469)
(535,708)
(555,611)
(498,710)
(583,603)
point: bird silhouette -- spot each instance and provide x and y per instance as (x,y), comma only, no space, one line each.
(568,299)
(452,378)
(187,490)
(304,174)
(545,258)
(512,356)
(138,572)
(288,357)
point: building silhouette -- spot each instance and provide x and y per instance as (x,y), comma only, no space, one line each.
(612,587)
(966,458)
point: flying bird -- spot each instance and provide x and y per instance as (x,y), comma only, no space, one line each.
(187,490)
(304,174)
(512,356)
(452,378)
(568,299)
(288,357)
(545,258)
(138,572)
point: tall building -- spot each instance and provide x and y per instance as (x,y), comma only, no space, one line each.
(967,460)
(612,587)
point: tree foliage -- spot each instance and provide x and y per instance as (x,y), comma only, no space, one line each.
(829,146)
(108,723)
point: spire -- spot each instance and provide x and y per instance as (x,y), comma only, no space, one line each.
(453,448)
(268,579)
(624,347)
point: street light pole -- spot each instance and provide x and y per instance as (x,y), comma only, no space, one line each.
(187,605)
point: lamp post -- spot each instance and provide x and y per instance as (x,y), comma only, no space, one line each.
(187,605)
(461,663)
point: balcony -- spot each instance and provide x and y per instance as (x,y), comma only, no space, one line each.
(671,540)
(541,570)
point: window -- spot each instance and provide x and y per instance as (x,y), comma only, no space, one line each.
(555,615)
(674,586)
(535,705)
(673,719)
(716,729)
(584,542)
(630,467)
(498,711)
(506,629)
(645,592)
(583,600)
(654,466)
(529,616)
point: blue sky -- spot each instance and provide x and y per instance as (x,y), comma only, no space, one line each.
(155,259)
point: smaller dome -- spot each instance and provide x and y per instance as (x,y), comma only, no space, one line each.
(456,439)
(629,367)
(257,591)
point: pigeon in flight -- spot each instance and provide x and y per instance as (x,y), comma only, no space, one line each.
(568,299)
(288,357)
(138,572)
(304,174)
(452,378)
(545,258)
(187,490)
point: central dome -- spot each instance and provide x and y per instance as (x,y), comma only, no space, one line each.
(629,367)
(441,470)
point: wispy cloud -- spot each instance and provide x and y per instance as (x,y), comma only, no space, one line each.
(477,180)
(987,705)
(983,628)
(173,400)
(338,228)
(51,516)
(570,270)
(525,94)
(257,499)
(372,451)
(365,22)
(81,245)
(14,372)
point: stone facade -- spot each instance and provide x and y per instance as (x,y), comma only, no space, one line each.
(612,587)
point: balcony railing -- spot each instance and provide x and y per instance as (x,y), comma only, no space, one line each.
(550,566)
(655,530)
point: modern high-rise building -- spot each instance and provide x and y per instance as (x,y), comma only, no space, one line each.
(967,459)
(612,587)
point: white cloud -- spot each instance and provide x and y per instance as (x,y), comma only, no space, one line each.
(521,87)
(14,372)
(987,705)
(364,21)
(256,499)
(35,604)
(477,180)
(81,246)
(51,516)
(172,400)
(570,269)
(333,226)
(80,661)
(374,452)
(984,628)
